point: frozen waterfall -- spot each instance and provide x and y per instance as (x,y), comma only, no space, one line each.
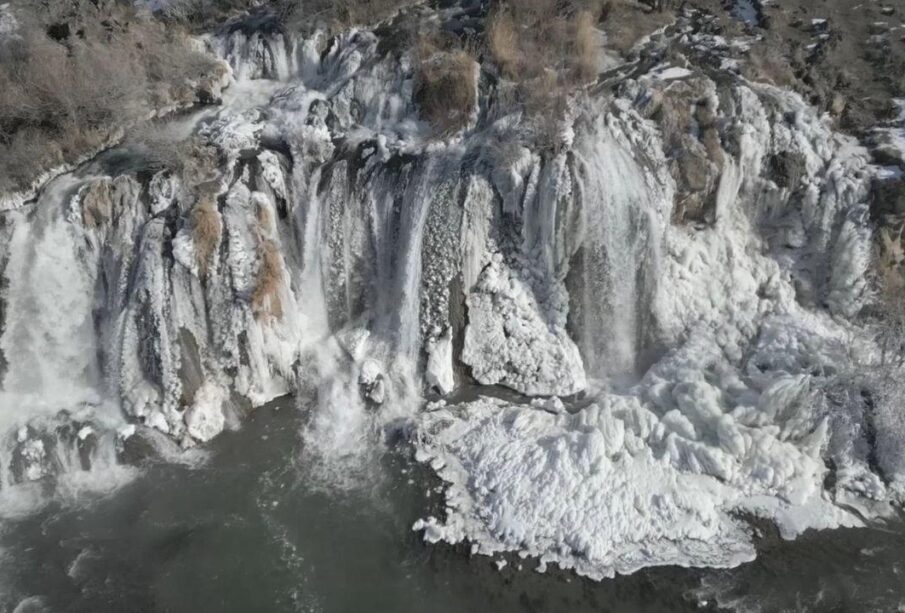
(677,367)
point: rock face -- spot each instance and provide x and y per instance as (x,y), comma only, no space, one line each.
(689,258)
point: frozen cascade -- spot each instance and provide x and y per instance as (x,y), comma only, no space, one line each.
(736,415)
(51,350)
(322,241)
(50,296)
(626,198)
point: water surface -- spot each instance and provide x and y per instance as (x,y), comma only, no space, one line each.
(249,532)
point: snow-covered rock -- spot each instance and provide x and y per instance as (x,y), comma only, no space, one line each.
(439,372)
(509,341)
(205,419)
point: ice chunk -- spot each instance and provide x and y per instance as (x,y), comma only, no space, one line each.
(205,419)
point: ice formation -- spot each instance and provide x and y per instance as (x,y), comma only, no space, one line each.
(697,313)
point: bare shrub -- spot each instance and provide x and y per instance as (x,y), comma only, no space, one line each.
(199,14)
(585,62)
(64,91)
(526,38)
(446,89)
(548,47)
(206,231)
(627,21)
(503,42)
(199,163)
(364,12)
(265,219)
(265,301)
(890,264)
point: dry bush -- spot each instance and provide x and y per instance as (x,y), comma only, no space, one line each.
(628,21)
(292,14)
(66,89)
(206,230)
(97,203)
(265,301)
(586,47)
(503,43)
(526,38)
(446,88)
(766,64)
(548,47)
(364,12)
(199,163)
(265,219)
(202,13)
(892,310)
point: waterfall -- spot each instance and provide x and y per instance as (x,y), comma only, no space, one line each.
(56,416)
(625,200)
(49,338)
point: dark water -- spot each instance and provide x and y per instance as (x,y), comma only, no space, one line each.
(244,533)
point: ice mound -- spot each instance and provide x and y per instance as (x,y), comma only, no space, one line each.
(614,487)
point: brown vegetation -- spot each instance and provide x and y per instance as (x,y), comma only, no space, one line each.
(586,47)
(293,14)
(97,203)
(503,43)
(446,88)
(363,12)
(74,73)
(206,231)
(766,64)
(265,301)
(547,48)
(529,38)
(628,21)
(890,266)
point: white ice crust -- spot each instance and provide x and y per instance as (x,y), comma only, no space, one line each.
(205,419)
(509,342)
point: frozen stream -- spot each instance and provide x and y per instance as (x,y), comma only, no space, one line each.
(247,532)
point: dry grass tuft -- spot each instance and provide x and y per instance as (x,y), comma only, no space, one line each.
(890,266)
(503,42)
(446,90)
(364,12)
(585,62)
(766,64)
(207,230)
(527,38)
(265,218)
(291,14)
(265,301)
(97,203)
(548,48)
(627,21)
